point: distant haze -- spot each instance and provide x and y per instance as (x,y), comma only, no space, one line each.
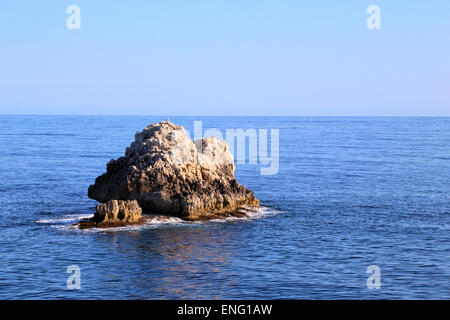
(232,57)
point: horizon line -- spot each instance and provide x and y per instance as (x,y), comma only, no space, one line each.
(221,115)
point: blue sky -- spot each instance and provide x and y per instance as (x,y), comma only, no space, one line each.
(229,57)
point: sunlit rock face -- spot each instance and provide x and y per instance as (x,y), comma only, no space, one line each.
(118,210)
(114,213)
(168,173)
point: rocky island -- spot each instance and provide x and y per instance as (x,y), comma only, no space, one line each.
(164,172)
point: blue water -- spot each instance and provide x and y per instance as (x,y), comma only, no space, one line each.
(350,193)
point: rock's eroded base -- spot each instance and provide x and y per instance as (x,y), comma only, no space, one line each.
(91,223)
(115,213)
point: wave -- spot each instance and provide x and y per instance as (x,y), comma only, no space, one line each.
(68,222)
(251,212)
(65,219)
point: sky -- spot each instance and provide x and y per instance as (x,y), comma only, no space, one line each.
(225,57)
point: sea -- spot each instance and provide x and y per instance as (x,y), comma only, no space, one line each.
(356,208)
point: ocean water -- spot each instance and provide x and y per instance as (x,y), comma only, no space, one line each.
(349,193)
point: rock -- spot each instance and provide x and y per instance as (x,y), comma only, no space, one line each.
(115,213)
(113,210)
(167,173)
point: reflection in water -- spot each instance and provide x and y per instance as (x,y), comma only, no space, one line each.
(174,261)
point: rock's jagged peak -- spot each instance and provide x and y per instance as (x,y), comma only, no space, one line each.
(170,144)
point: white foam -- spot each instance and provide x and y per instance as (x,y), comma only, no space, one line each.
(252,213)
(66,218)
(154,221)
